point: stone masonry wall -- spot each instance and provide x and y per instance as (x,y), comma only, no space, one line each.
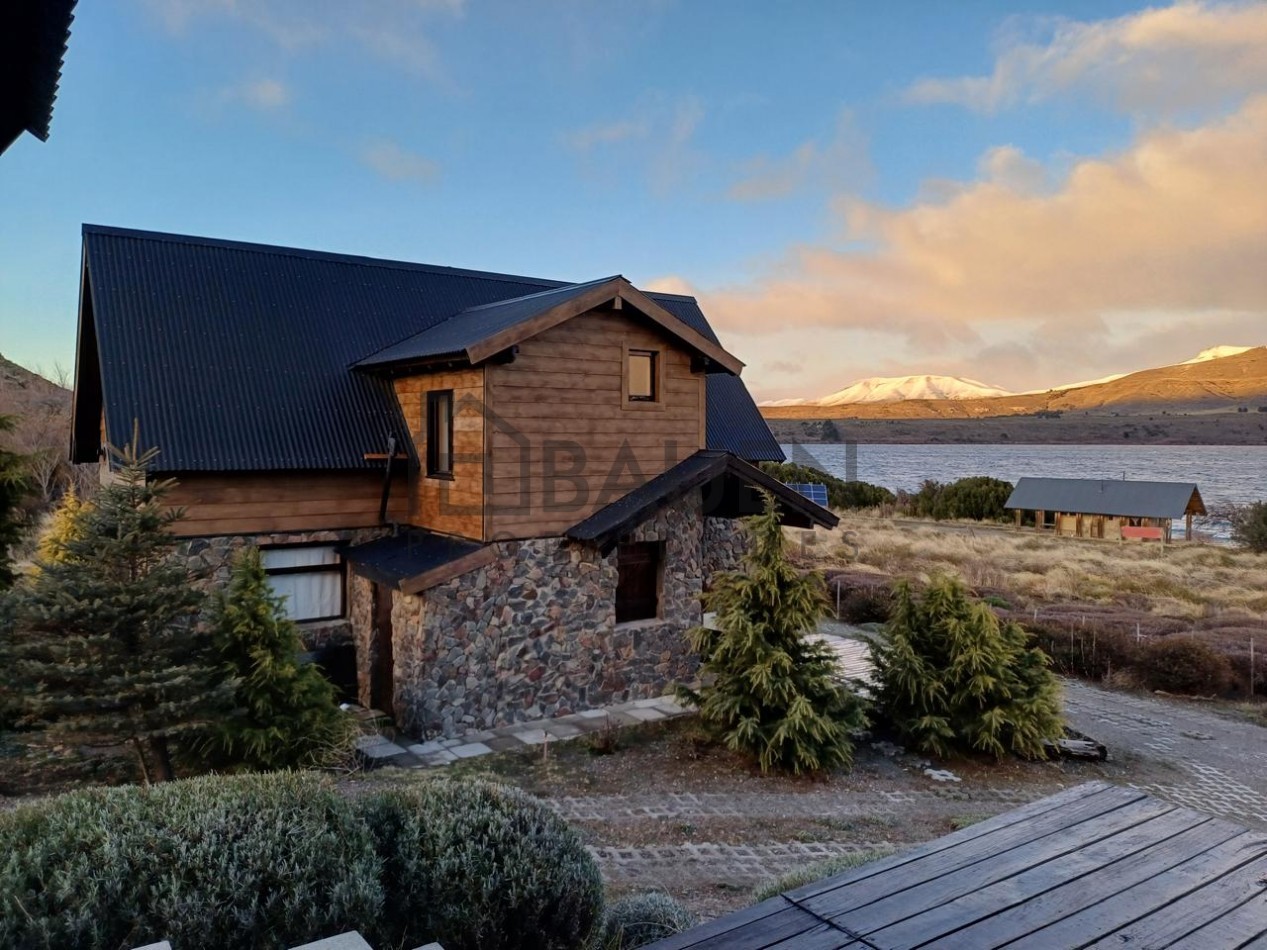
(725,542)
(533,634)
(212,558)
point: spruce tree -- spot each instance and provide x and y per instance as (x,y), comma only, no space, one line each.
(953,677)
(286,712)
(63,527)
(14,487)
(768,690)
(105,646)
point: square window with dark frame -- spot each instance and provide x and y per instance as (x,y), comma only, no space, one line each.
(309,578)
(638,579)
(642,376)
(440,434)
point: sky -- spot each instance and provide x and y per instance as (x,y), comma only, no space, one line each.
(1024,193)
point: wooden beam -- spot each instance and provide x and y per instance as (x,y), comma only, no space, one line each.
(446,572)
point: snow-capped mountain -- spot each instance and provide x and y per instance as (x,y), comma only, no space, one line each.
(898,388)
(1217,353)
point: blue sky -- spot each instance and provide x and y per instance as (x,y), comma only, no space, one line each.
(1000,190)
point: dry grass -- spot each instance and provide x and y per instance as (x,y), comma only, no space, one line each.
(1184,581)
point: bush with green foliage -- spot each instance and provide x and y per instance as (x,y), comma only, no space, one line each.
(768,690)
(810,873)
(841,495)
(1184,665)
(285,713)
(1249,526)
(978,498)
(640,919)
(105,646)
(952,677)
(208,863)
(65,526)
(478,866)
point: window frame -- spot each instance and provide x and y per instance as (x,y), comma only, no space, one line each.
(434,398)
(338,567)
(656,400)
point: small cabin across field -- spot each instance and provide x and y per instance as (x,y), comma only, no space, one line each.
(1107,508)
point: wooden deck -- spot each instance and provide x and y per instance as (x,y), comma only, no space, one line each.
(1093,866)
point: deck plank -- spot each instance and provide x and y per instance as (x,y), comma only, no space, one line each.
(1008,819)
(725,924)
(822,937)
(1206,903)
(1233,929)
(1089,889)
(854,895)
(1143,899)
(899,918)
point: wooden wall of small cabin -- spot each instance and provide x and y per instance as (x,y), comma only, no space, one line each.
(563,437)
(267,502)
(448,505)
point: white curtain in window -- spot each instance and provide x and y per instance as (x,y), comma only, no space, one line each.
(309,596)
(298,556)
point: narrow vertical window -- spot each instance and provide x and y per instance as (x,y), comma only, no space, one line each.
(638,580)
(642,376)
(440,434)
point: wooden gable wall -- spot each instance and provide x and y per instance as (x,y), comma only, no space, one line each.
(560,408)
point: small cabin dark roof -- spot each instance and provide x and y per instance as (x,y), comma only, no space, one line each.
(33,38)
(1095,496)
(731,489)
(237,356)
(1092,865)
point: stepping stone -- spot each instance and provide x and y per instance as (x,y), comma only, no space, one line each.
(505,743)
(443,757)
(533,736)
(347,941)
(470,750)
(562,730)
(426,748)
(593,714)
(644,703)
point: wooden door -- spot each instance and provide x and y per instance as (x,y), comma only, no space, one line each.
(383,670)
(637,581)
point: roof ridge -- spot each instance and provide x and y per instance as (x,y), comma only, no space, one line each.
(540,293)
(281,250)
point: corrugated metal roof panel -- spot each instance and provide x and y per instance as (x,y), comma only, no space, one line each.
(33,39)
(236,356)
(1123,499)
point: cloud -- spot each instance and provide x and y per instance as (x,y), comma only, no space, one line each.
(659,135)
(837,162)
(394,31)
(1174,224)
(1158,61)
(397,163)
(265,94)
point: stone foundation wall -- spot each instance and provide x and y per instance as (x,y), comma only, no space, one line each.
(211,559)
(533,634)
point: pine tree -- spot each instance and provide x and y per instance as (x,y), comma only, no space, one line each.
(287,715)
(14,487)
(769,691)
(952,676)
(105,646)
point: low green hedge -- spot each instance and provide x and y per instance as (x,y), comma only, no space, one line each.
(640,919)
(278,860)
(478,866)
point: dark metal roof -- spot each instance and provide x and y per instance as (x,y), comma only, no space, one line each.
(731,489)
(414,551)
(1123,499)
(1092,865)
(474,324)
(237,356)
(33,38)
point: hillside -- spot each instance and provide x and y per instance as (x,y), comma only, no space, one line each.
(1209,384)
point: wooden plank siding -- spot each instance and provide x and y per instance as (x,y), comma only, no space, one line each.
(266,502)
(450,506)
(563,441)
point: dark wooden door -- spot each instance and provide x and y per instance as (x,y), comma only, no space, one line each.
(383,668)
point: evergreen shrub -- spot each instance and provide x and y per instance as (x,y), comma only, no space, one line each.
(479,866)
(978,498)
(1249,526)
(841,495)
(640,919)
(952,677)
(207,863)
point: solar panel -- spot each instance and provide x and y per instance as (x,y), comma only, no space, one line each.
(811,490)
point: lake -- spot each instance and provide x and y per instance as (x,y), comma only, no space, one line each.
(1225,474)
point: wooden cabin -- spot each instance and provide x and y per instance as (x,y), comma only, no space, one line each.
(504,494)
(1106,508)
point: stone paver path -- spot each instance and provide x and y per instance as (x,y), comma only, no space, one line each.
(378,750)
